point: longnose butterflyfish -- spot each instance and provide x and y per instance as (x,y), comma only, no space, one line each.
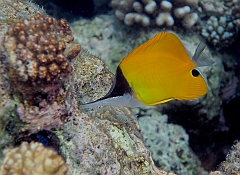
(156,72)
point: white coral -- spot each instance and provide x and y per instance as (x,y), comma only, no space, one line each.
(156,12)
(164,19)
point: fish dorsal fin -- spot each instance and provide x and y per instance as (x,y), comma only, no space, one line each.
(203,60)
(163,42)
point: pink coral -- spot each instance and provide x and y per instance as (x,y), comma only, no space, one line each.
(47,116)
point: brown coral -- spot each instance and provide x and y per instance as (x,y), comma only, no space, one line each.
(33,158)
(13,11)
(39,49)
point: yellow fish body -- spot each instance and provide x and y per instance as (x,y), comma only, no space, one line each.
(158,71)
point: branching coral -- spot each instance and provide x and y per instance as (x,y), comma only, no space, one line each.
(236,13)
(39,49)
(232,8)
(222,24)
(37,54)
(32,158)
(160,13)
(220,31)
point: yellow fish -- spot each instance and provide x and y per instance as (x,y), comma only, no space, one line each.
(158,71)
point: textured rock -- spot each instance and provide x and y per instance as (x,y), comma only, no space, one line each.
(13,11)
(232,162)
(103,140)
(46,116)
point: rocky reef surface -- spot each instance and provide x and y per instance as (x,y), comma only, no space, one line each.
(46,75)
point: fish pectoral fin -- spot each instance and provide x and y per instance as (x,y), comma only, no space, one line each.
(126,100)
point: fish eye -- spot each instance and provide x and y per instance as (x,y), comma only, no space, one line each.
(195,73)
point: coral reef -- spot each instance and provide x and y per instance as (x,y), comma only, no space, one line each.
(220,21)
(220,31)
(6,103)
(160,13)
(232,8)
(46,116)
(231,165)
(105,140)
(212,101)
(36,55)
(48,138)
(38,50)
(14,11)
(102,140)
(215,173)
(236,13)
(173,148)
(209,8)
(222,24)
(110,45)
(47,111)
(9,121)
(32,158)
(11,11)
